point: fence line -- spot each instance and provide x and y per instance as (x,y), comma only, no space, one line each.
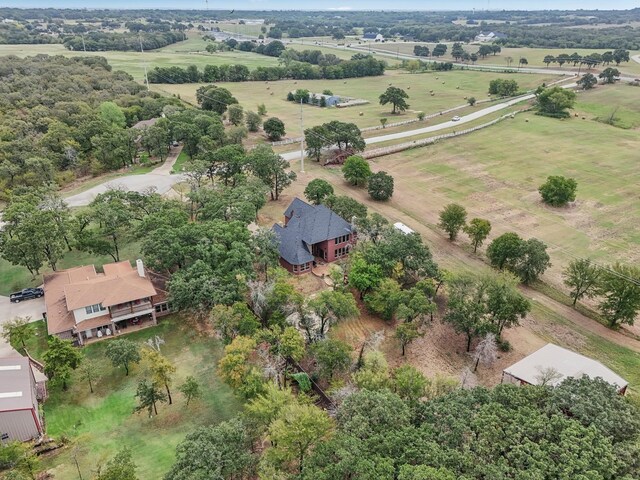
(380,152)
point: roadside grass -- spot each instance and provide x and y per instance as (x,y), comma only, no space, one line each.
(450,90)
(619,103)
(178,166)
(100,424)
(16,277)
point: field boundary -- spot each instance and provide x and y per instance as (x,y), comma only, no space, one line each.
(380,152)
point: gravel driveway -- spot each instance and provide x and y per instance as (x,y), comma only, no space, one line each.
(8,311)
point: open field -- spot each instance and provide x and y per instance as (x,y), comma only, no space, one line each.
(444,85)
(134,62)
(101,423)
(533,55)
(442,350)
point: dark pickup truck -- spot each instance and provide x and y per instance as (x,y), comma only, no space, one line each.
(26,294)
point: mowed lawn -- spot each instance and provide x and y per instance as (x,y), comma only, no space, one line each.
(98,425)
(495,174)
(449,88)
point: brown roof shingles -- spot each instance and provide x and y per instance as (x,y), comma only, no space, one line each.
(67,290)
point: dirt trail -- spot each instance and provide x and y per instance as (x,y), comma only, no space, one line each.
(423,219)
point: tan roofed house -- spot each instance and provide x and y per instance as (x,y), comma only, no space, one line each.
(82,304)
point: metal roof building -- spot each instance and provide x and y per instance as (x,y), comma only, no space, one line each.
(19,415)
(553,364)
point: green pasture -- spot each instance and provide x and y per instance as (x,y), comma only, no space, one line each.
(98,425)
(449,88)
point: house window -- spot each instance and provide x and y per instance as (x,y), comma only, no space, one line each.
(162,307)
(295,268)
(341,252)
(304,267)
(94,308)
(342,239)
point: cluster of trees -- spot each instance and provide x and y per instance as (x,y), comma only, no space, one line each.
(617,286)
(74,114)
(503,87)
(357,172)
(616,56)
(555,101)
(345,136)
(125,42)
(359,67)
(12,33)
(271,49)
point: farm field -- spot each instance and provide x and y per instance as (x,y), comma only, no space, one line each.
(418,86)
(441,351)
(533,55)
(134,62)
(100,424)
(495,174)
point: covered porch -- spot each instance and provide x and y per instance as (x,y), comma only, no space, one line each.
(106,327)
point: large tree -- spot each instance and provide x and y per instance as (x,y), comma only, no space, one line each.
(396,97)
(161,369)
(215,98)
(274,128)
(555,101)
(149,395)
(271,168)
(219,452)
(17,331)
(609,75)
(533,260)
(619,288)
(317,190)
(120,467)
(330,307)
(347,207)
(356,170)
(581,276)
(380,186)
(332,356)
(452,218)
(60,359)
(588,81)
(557,191)
(122,352)
(505,250)
(478,230)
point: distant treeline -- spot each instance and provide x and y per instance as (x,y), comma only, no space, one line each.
(12,34)
(359,67)
(125,42)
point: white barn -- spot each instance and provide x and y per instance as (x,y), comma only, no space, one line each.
(552,364)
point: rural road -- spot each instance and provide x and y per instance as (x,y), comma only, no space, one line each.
(159,178)
(162,180)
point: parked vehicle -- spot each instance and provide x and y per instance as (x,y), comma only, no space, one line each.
(175,144)
(26,294)
(455,119)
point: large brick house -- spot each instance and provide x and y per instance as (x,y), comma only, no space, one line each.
(82,304)
(311,234)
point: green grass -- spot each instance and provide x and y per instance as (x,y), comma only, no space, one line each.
(179,165)
(134,62)
(15,277)
(495,174)
(100,424)
(450,89)
(620,101)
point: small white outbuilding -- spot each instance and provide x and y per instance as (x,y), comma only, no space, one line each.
(403,228)
(551,364)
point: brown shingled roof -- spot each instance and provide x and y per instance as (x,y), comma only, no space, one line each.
(67,290)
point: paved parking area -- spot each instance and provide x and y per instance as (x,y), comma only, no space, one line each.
(8,311)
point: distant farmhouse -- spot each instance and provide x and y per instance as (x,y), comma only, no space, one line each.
(312,234)
(376,37)
(551,364)
(489,36)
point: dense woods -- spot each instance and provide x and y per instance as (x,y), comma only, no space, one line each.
(125,42)
(66,117)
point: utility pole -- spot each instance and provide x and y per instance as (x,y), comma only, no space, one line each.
(84,47)
(301,139)
(146,78)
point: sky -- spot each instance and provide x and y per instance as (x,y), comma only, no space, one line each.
(330,4)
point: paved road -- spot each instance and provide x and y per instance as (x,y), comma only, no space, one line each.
(8,311)
(159,178)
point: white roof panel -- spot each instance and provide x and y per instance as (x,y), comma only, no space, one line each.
(565,362)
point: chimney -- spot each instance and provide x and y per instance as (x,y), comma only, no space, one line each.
(140,267)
